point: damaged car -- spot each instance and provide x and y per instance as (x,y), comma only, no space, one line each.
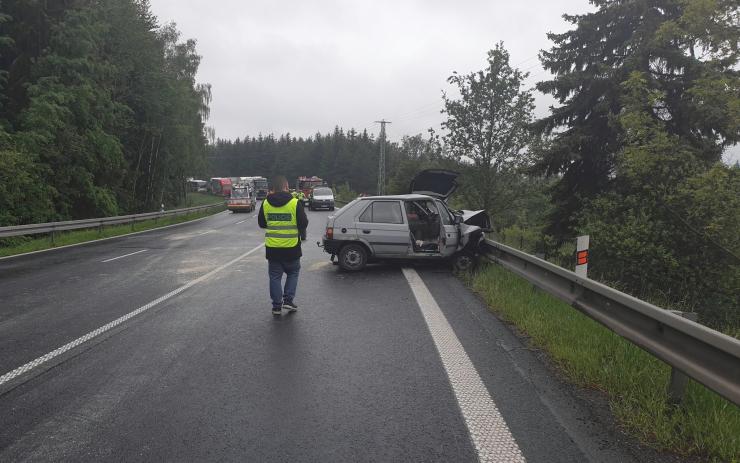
(415,226)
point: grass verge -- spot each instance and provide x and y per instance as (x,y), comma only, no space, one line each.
(21,245)
(193,199)
(635,382)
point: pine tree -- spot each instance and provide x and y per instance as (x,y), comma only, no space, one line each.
(686,50)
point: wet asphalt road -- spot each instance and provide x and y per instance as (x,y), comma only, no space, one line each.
(209,375)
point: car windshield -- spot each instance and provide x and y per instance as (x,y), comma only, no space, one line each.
(322,192)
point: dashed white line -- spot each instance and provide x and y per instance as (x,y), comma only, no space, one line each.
(491,436)
(206,232)
(241,222)
(125,255)
(92,334)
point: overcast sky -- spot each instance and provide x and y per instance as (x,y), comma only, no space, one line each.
(306,66)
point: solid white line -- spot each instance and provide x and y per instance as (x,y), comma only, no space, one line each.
(491,436)
(125,255)
(92,334)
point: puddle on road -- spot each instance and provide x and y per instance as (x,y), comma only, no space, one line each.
(178,237)
(199,269)
(318,266)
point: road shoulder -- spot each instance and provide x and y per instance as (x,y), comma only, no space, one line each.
(529,385)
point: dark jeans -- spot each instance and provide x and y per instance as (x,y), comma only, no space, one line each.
(276,268)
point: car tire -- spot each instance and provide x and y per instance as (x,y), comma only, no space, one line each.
(332,208)
(353,257)
(464,262)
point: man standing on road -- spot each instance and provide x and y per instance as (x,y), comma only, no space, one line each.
(285,222)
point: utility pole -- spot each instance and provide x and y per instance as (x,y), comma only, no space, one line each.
(381,161)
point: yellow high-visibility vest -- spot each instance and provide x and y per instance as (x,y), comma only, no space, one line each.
(282,224)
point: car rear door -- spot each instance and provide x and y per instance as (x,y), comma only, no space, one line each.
(383,226)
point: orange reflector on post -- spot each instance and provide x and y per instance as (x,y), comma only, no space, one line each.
(582,257)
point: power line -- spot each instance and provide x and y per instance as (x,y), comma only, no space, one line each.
(419,115)
(526,59)
(427,107)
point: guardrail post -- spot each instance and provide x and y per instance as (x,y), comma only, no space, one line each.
(52,237)
(678,382)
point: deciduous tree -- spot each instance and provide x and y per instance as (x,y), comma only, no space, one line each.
(488,125)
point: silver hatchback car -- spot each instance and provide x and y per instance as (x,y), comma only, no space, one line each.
(418,226)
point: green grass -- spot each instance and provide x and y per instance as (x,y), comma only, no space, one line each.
(20,245)
(634,381)
(193,199)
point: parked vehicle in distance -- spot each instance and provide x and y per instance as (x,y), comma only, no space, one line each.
(241,200)
(220,186)
(416,226)
(321,197)
(259,186)
(306,184)
(197,185)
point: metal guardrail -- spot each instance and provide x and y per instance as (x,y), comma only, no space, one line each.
(706,355)
(53,227)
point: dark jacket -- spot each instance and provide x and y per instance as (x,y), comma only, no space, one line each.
(284,254)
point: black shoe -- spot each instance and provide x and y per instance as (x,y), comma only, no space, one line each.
(277,310)
(291,306)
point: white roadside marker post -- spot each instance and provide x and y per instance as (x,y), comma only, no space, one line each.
(582,256)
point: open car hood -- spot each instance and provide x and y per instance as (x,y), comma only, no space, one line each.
(438,183)
(477,219)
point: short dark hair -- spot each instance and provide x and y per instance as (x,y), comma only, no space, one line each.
(279,183)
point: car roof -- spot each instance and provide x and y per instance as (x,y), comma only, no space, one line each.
(398,197)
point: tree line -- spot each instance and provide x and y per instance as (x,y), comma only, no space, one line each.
(341,156)
(100,113)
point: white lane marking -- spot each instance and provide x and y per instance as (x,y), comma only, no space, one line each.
(491,436)
(92,334)
(206,232)
(125,255)
(238,223)
(111,237)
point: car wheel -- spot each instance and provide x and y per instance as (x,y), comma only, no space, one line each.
(332,208)
(353,257)
(464,262)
